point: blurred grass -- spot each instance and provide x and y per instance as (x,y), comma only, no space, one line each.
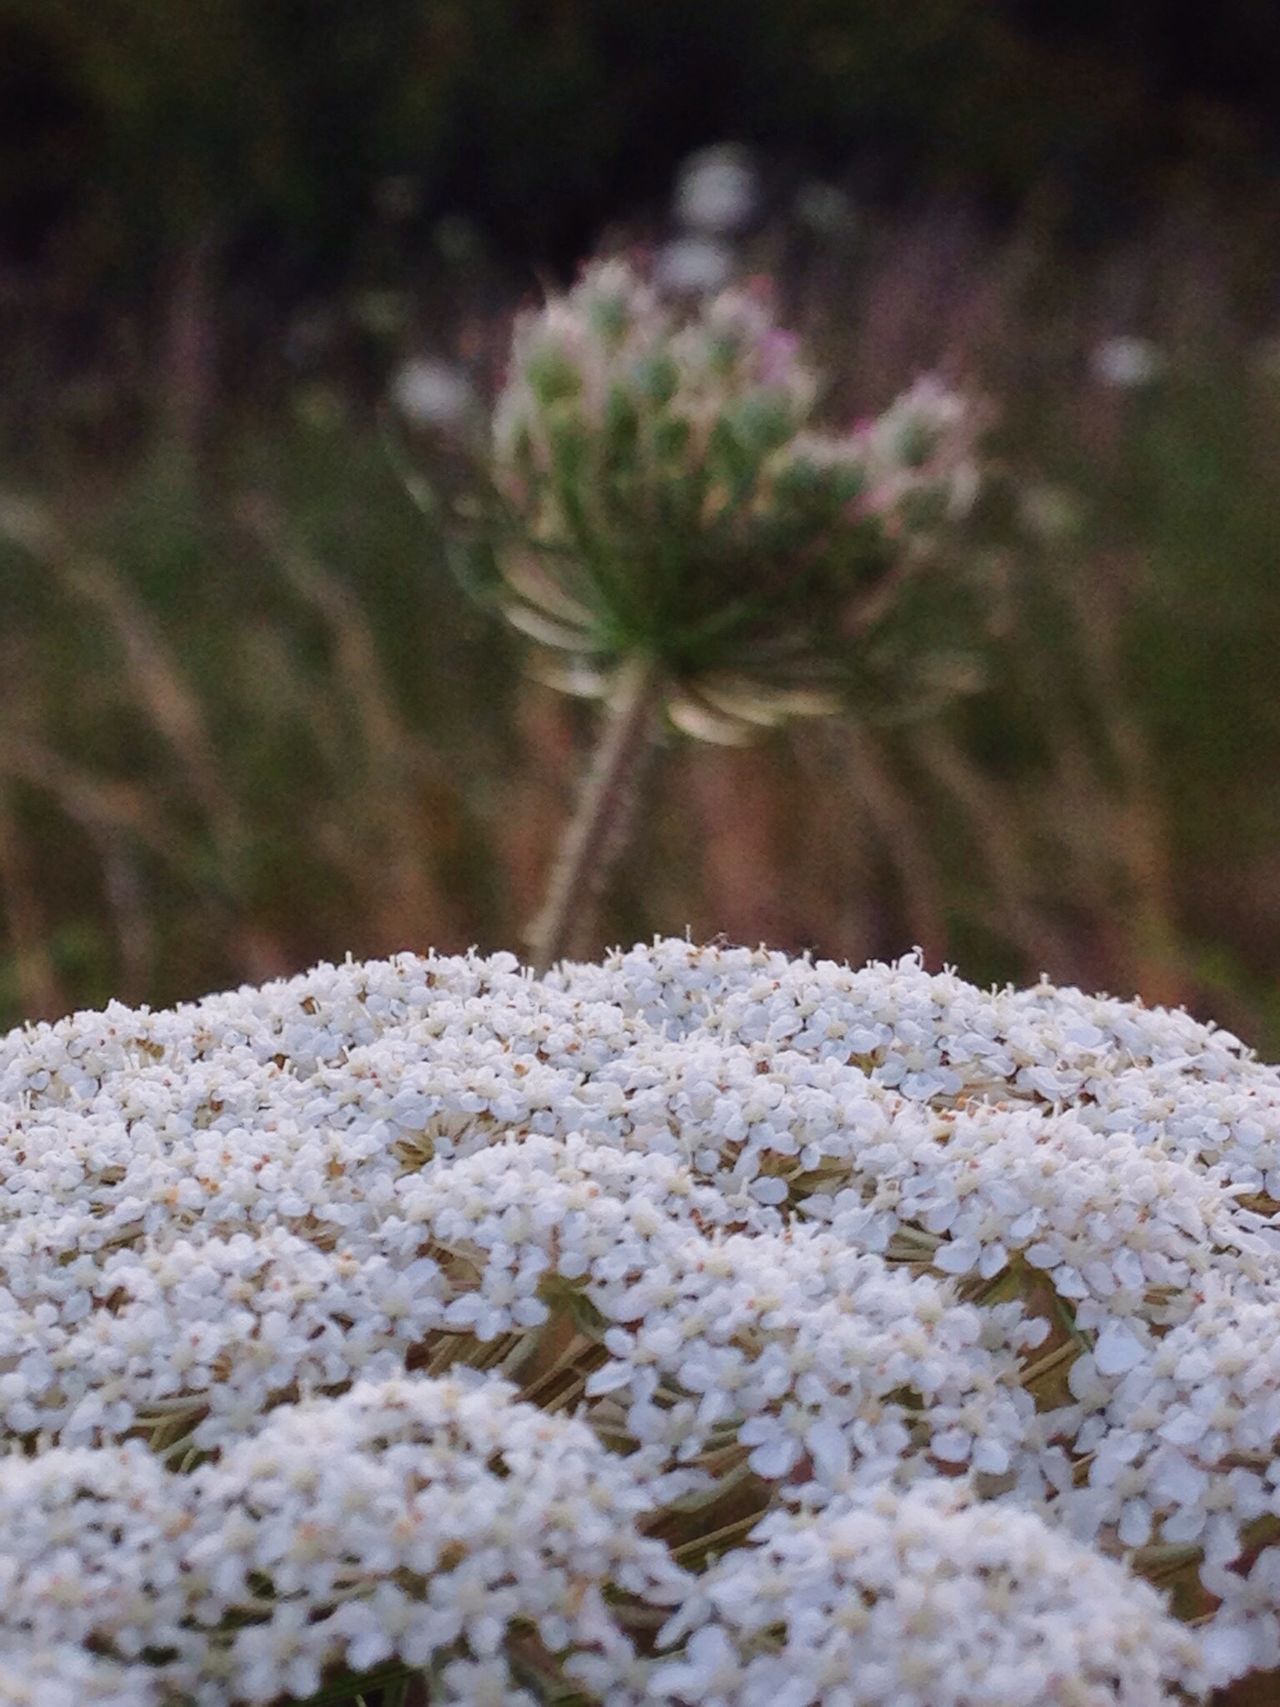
(250,721)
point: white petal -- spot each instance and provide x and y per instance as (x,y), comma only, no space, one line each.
(1118,1350)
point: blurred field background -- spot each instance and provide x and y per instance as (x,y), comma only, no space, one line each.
(247,718)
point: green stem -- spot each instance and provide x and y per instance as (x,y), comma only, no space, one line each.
(597,833)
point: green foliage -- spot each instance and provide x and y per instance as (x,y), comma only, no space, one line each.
(271,126)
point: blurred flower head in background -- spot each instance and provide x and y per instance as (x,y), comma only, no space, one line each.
(716,198)
(717,190)
(694,265)
(432,393)
(668,491)
(1128,363)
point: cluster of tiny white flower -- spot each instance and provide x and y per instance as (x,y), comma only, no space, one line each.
(517,1523)
(924,1599)
(302,1546)
(819,1359)
(63,1675)
(422,1312)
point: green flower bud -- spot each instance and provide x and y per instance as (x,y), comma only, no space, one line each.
(915,442)
(819,474)
(656,378)
(723,349)
(763,420)
(551,373)
(609,319)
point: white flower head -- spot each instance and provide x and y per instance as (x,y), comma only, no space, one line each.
(429,392)
(926,1599)
(1127,362)
(420,1312)
(717,191)
(693,265)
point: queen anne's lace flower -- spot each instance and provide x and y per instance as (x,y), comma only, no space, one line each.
(924,1599)
(63,1675)
(826,1364)
(309,1545)
(420,1313)
(93,1543)
(657,473)
(427,1521)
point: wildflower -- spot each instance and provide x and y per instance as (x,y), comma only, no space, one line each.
(1128,363)
(429,392)
(694,265)
(928,1600)
(423,1313)
(60,1674)
(716,191)
(669,494)
(663,515)
(510,1516)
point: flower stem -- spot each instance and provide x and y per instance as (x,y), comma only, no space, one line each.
(598,830)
